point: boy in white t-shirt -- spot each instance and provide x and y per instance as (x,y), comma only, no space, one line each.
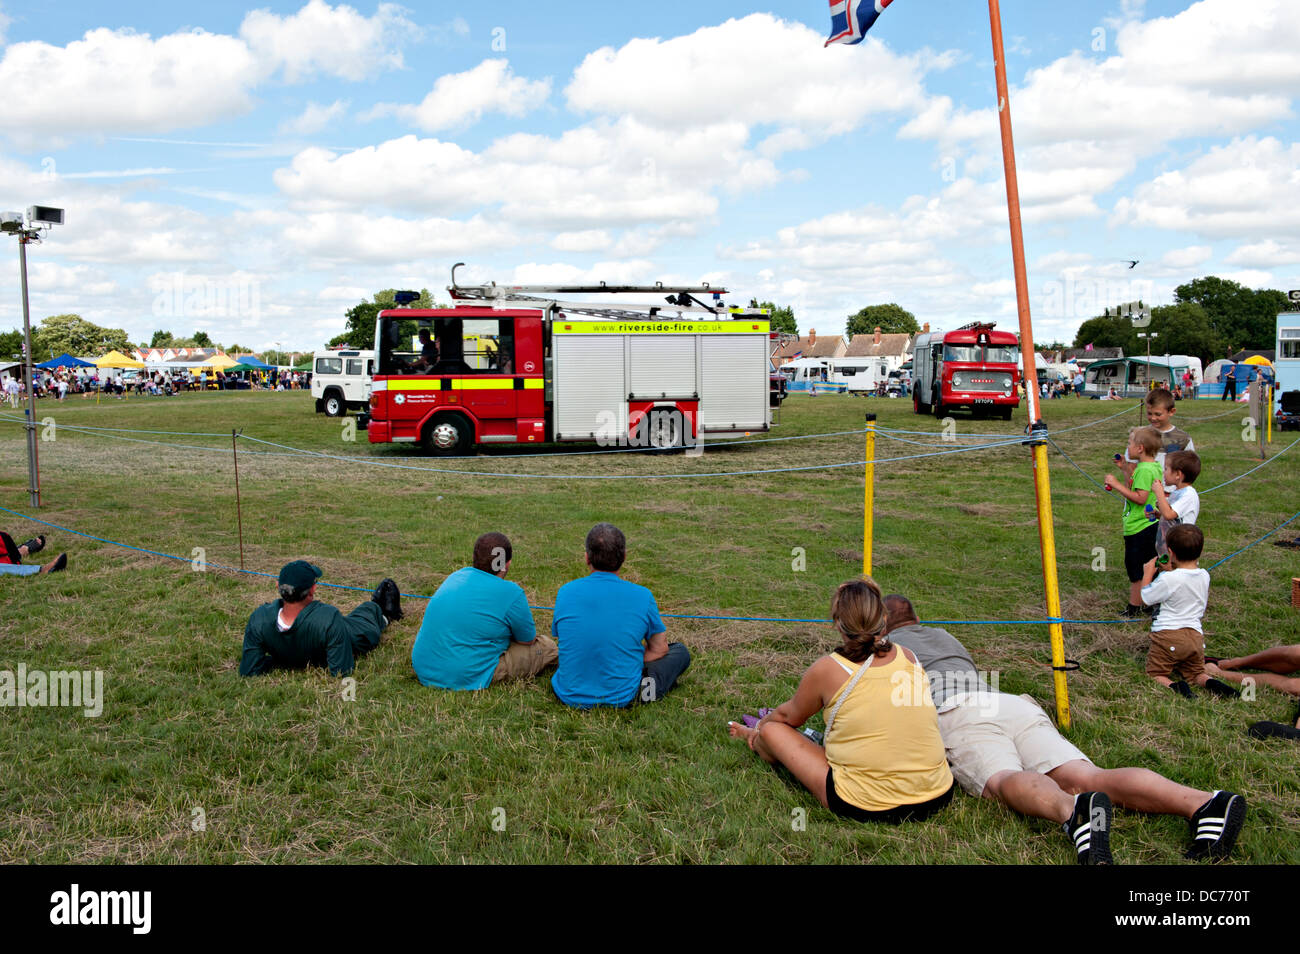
(1183,504)
(1177,642)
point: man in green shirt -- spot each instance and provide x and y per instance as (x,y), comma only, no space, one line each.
(296,630)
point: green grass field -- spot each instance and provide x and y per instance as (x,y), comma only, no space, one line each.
(285,769)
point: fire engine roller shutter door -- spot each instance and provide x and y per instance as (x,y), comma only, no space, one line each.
(735,383)
(589,386)
(662,366)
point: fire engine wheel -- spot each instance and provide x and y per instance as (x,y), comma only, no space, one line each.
(1006,413)
(449,435)
(334,405)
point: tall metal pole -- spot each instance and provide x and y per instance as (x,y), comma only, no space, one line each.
(33,470)
(1038,430)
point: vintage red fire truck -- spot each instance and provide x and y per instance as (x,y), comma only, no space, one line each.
(973,367)
(503,365)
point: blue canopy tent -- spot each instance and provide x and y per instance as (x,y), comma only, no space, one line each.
(66,360)
(249,361)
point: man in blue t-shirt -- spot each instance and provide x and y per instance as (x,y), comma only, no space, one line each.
(477,628)
(614,648)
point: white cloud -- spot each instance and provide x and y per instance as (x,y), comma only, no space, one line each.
(1185,258)
(1250,277)
(459,99)
(588,240)
(350,293)
(591,177)
(331,236)
(77,279)
(613,273)
(314,118)
(1266,254)
(121,82)
(335,41)
(1247,188)
(758,70)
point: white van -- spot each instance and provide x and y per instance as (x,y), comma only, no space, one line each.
(341,380)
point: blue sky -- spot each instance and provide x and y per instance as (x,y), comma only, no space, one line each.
(255,171)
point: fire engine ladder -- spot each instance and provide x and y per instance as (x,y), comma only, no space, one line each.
(678,299)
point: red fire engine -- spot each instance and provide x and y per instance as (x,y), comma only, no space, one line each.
(973,367)
(505,366)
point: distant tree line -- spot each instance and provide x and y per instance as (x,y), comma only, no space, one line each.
(1210,318)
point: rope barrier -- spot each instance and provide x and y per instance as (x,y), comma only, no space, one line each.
(547,609)
(1047,621)
(1253,469)
(1096,482)
(1100,420)
(1254,542)
(737,473)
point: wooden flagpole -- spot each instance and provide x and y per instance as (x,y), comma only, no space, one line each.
(1038,430)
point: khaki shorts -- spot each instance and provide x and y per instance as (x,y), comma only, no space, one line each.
(525,660)
(1176,650)
(996,732)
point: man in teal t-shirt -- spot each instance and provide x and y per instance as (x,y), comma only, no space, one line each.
(478,629)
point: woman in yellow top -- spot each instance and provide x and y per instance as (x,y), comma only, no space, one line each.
(884,758)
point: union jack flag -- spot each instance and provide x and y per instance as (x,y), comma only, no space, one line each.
(851,19)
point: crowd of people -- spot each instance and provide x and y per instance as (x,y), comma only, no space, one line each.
(908,716)
(61,382)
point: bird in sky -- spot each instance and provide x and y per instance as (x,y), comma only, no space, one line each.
(1131,263)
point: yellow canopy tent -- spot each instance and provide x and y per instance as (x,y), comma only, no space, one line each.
(1258,359)
(220,362)
(115,359)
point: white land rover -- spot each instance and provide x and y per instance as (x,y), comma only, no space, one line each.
(341,380)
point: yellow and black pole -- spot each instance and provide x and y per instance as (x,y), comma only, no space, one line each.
(869,493)
(1038,430)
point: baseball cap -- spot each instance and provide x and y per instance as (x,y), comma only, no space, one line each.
(299,574)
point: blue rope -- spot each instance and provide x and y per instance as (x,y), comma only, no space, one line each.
(747,619)
(1260,540)
(1253,469)
(1074,465)
(1100,420)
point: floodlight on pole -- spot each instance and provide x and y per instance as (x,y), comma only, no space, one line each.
(28,229)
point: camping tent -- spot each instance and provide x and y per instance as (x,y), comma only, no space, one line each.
(115,359)
(66,360)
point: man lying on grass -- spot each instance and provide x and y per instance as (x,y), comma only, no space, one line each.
(12,554)
(1004,747)
(297,630)
(1281,666)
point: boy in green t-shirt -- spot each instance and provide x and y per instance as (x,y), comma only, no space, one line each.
(1139,531)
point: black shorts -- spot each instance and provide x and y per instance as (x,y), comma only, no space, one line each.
(1139,550)
(918,812)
